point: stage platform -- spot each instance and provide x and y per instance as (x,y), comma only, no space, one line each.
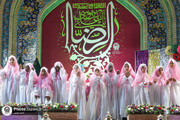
(52,116)
(151,117)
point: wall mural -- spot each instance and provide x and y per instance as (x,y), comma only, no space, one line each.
(94,34)
(176,4)
(157,23)
(91,34)
(152,8)
(5,31)
(27,28)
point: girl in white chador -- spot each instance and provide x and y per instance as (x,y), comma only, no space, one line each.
(158,93)
(127,77)
(2,77)
(111,80)
(77,88)
(96,105)
(43,88)
(140,84)
(27,80)
(59,78)
(173,75)
(10,81)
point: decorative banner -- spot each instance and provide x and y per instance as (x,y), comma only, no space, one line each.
(141,57)
(154,60)
(90,34)
(163,58)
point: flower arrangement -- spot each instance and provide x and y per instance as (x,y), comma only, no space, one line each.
(145,109)
(173,50)
(178,49)
(168,50)
(176,56)
(59,107)
(174,109)
(54,107)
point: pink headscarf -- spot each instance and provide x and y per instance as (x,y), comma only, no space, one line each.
(61,66)
(30,65)
(161,80)
(8,66)
(31,68)
(79,69)
(75,72)
(131,71)
(45,82)
(93,76)
(175,71)
(113,73)
(123,71)
(140,76)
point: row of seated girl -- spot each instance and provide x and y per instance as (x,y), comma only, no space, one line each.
(110,90)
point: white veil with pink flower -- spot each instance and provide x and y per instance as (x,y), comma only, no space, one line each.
(174,85)
(59,83)
(140,76)
(31,81)
(96,105)
(140,84)
(111,80)
(122,73)
(161,79)
(173,72)
(77,90)
(15,67)
(125,90)
(45,82)
(44,85)
(11,82)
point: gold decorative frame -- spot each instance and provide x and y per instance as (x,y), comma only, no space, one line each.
(1,20)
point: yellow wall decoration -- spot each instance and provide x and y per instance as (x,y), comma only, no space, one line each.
(153,61)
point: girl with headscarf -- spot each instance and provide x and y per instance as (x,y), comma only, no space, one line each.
(140,85)
(27,80)
(10,81)
(96,105)
(43,87)
(173,75)
(77,89)
(111,81)
(59,78)
(127,77)
(158,86)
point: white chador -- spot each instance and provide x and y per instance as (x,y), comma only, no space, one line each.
(10,81)
(111,80)
(77,88)
(26,82)
(154,90)
(96,106)
(158,89)
(127,76)
(2,78)
(36,97)
(140,84)
(173,75)
(59,78)
(43,89)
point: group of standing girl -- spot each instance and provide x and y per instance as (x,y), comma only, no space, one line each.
(110,90)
